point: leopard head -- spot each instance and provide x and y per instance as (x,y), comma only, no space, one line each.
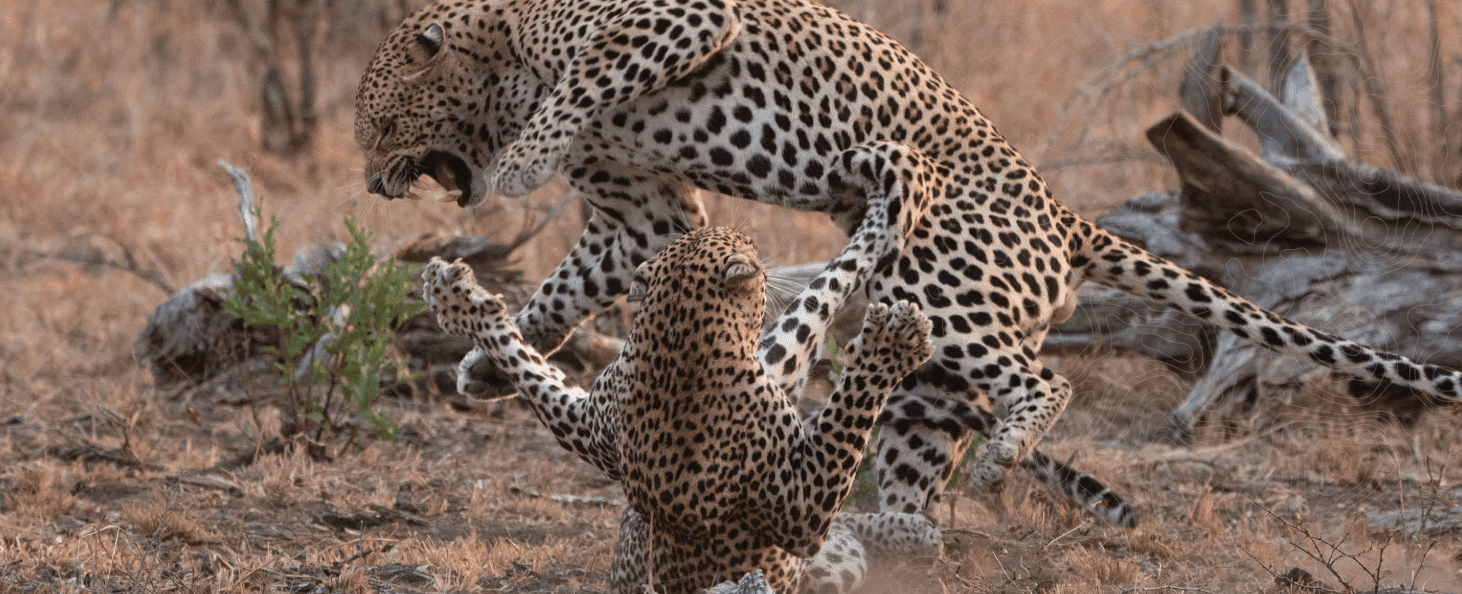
(707,289)
(441,97)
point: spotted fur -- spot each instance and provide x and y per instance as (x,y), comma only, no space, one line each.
(642,102)
(721,473)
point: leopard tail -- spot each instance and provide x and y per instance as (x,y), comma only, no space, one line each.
(1112,261)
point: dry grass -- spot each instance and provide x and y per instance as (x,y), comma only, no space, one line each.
(114,113)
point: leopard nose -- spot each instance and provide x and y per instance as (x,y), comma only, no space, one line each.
(376,186)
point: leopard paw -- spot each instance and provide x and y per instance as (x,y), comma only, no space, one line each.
(899,333)
(459,304)
(992,460)
(523,167)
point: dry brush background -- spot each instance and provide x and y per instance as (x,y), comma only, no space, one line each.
(113,114)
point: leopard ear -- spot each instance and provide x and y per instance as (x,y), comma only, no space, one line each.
(741,268)
(426,49)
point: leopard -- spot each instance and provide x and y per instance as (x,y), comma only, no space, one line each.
(643,104)
(721,473)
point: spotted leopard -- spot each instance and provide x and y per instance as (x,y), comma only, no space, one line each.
(643,102)
(721,473)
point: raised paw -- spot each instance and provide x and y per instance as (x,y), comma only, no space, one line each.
(992,459)
(899,333)
(459,304)
(522,167)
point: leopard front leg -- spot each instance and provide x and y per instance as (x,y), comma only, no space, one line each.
(632,569)
(894,341)
(898,184)
(633,218)
(626,50)
(581,424)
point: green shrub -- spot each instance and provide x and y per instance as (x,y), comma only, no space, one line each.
(333,334)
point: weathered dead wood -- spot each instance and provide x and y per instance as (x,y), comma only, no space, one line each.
(1230,192)
(1380,258)
(1199,89)
(1287,130)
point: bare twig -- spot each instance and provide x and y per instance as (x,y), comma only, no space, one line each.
(247,205)
(1166,589)
(1065,534)
(527,234)
(1107,154)
(95,258)
(1328,554)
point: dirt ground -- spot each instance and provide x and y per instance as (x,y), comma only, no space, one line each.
(112,487)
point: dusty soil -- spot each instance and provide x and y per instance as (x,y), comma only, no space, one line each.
(110,486)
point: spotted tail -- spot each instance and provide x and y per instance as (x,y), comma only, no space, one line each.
(1112,261)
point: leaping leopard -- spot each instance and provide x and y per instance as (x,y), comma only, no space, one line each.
(642,102)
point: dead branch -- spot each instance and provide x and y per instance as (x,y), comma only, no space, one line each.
(1221,178)
(1092,92)
(94,257)
(1199,90)
(247,206)
(1286,129)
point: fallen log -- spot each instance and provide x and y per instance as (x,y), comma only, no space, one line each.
(1301,229)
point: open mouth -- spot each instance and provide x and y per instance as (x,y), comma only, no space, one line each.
(451,172)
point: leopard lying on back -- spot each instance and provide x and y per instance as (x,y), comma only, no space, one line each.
(721,473)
